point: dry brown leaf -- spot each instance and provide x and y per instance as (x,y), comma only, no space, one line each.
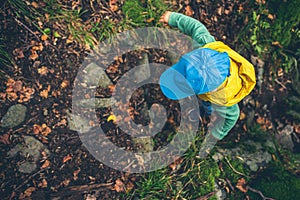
(45,164)
(260,120)
(44,37)
(35,4)
(242,115)
(189,11)
(119,186)
(17,86)
(150,20)
(176,164)
(44,94)
(33,55)
(19,53)
(129,186)
(46,131)
(5,138)
(27,193)
(113,5)
(43,184)
(64,84)
(43,70)
(67,158)
(241,185)
(75,174)
(37,129)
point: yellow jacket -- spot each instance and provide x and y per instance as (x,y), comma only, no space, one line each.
(240,82)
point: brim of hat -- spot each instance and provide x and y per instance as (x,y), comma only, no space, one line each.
(173,83)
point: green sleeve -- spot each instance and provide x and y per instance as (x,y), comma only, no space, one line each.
(227,118)
(191,27)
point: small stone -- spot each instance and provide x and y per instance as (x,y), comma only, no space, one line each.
(287,130)
(27,167)
(78,123)
(253,166)
(142,71)
(217,157)
(96,76)
(14,116)
(32,148)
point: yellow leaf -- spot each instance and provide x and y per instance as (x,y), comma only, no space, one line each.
(112,118)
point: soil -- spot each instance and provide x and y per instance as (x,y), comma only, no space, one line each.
(71,172)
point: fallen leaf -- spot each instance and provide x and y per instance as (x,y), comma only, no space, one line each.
(43,184)
(129,186)
(67,158)
(33,55)
(242,115)
(64,84)
(44,94)
(45,164)
(260,120)
(37,129)
(150,20)
(75,174)
(241,185)
(5,139)
(119,186)
(43,70)
(44,37)
(27,193)
(189,11)
(113,5)
(35,4)
(176,164)
(19,53)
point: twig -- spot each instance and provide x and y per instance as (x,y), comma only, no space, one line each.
(82,188)
(29,178)
(230,185)
(19,22)
(207,196)
(279,83)
(240,173)
(260,193)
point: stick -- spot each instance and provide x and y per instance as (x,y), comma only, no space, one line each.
(207,196)
(19,22)
(240,173)
(82,188)
(260,193)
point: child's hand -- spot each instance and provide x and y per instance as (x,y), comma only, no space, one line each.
(165,17)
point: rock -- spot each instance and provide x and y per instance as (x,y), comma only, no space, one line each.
(217,157)
(27,167)
(14,116)
(78,123)
(253,160)
(220,194)
(142,71)
(96,76)
(143,144)
(95,102)
(31,148)
(287,130)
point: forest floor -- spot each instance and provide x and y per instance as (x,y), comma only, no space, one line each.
(42,79)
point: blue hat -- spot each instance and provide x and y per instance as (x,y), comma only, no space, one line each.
(197,72)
